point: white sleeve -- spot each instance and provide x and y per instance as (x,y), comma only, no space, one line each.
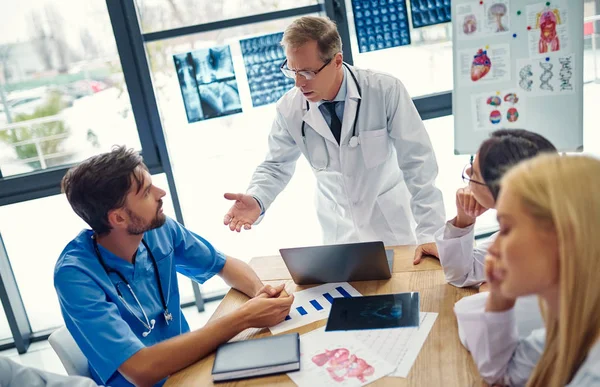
(417,161)
(462,262)
(13,374)
(493,341)
(275,172)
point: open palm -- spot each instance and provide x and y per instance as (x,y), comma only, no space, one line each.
(244,212)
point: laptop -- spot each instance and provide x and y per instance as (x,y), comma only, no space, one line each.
(364,261)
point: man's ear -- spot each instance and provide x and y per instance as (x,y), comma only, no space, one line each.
(117,218)
(339,59)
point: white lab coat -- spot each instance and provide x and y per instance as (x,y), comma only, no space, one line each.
(367,192)
(500,355)
(462,261)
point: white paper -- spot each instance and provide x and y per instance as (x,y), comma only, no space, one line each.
(501,109)
(468,18)
(547,30)
(476,20)
(303,298)
(337,358)
(497,14)
(546,77)
(414,345)
(488,64)
(399,346)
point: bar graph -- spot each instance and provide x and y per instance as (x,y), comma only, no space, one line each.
(314,304)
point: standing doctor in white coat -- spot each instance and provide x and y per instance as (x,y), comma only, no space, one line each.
(363,137)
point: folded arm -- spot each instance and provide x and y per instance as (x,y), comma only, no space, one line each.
(462,262)
(492,339)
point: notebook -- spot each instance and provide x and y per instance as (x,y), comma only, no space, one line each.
(257,357)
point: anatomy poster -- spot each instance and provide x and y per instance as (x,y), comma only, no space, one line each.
(486,64)
(476,19)
(499,110)
(547,29)
(337,359)
(497,16)
(547,76)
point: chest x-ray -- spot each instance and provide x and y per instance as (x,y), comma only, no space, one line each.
(208,84)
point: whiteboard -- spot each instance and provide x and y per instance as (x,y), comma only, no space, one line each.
(528,74)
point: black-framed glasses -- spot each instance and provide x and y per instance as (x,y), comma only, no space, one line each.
(309,75)
(466,178)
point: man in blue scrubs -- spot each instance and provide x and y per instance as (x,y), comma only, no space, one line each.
(117,282)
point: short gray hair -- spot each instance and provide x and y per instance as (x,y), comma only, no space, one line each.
(320,29)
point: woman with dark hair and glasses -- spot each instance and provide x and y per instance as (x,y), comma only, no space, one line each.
(463,263)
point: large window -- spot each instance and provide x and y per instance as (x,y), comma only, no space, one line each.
(62,92)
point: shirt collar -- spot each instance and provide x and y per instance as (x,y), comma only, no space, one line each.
(341,95)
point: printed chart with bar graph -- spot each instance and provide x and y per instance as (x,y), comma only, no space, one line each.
(313,304)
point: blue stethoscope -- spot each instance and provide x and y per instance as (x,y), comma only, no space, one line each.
(353,143)
(148,324)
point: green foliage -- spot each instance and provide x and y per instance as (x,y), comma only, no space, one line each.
(53,106)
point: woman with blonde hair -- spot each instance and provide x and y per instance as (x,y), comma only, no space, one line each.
(548,245)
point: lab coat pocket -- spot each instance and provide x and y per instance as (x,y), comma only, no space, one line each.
(374,145)
(397,216)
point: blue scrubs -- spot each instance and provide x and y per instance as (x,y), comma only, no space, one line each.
(104,329)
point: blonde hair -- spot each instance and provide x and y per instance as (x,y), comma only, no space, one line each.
(320,29)
(562,192)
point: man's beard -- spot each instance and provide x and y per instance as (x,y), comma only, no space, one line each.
(138,227)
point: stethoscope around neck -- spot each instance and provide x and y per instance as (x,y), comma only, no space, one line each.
(353,143)
(147,323)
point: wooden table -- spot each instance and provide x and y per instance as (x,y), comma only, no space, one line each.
(442,361)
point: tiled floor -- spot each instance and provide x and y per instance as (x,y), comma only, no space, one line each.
(41,355)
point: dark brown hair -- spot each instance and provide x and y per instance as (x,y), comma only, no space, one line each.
(506,148)
(101,183)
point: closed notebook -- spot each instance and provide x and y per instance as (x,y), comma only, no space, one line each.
(257,357)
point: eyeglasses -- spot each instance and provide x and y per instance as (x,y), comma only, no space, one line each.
(466,178)
(309,75)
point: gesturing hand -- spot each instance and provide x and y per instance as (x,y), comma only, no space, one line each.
(244,212)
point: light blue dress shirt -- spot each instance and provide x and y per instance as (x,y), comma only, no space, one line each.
(105,330)
(339,107)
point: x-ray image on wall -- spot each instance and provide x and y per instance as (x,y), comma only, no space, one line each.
(429,12)
(380,24)
(208,85)
(262,57)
